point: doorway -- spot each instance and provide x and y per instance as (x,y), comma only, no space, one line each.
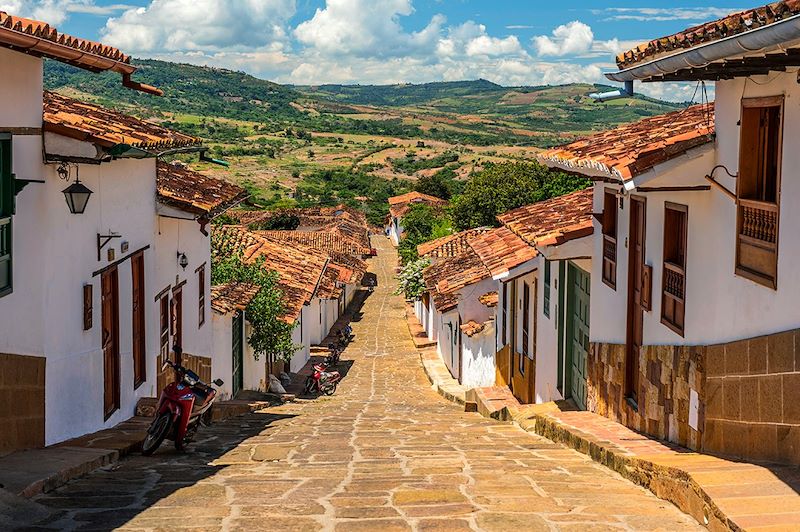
(636,263)
(137,310)
(237,348)
(578,296)
(109,290)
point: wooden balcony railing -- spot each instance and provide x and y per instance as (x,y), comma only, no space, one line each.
(674,280)
(759,220)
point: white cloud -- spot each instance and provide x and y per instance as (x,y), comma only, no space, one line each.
(205,25)
(366,28)
(57,11)
(655,14)
(485,45)
(568,39)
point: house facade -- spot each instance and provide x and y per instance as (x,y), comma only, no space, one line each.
(78,279)
(694,250)
(399,206)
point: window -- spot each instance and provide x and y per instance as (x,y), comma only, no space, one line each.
(610,239)
(526,318)
(505,315)
(163,335)
(6,212)
(673,289)
(758,190)
(201,299)
(546,309)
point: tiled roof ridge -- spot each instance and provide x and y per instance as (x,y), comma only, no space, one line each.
(234,295)
(733,24)
(410,196)
(179,185)
(631,149)
(107,127)
(451,240)
(43,30)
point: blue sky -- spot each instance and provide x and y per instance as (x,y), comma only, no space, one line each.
(512,42)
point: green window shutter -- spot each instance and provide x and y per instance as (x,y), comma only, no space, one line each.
(6,211)
(546,288)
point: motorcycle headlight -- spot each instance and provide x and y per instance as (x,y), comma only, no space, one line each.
(189,380)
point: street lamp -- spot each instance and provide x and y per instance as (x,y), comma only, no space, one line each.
(77,196)
(182,260)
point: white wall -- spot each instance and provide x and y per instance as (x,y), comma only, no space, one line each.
(447,343)
(300,336)
(222,358)
(478,360)
(312,318)
(255,371)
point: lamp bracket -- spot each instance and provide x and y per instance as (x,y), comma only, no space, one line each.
(19,184)
(103,240)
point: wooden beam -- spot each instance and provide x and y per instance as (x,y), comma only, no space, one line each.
(719,185)
(697,188)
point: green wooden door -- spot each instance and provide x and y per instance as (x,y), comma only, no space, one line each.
(577,332)
(238,352)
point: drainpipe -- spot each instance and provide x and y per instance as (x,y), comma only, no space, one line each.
(625,92)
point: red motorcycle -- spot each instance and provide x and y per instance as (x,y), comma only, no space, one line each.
(184,405)
(322,381)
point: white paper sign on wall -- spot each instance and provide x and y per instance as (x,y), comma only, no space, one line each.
(694,408)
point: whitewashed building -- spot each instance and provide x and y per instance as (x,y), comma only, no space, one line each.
(694,288)
(399,206)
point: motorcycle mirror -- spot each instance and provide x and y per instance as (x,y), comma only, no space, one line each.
(218,382)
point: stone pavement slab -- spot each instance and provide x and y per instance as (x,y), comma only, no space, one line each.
(440,377)
(384,453)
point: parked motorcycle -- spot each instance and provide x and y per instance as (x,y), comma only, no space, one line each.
(334,353)
(184,405)
(322,381)
(345,335)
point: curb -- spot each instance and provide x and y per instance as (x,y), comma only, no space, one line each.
(440,389)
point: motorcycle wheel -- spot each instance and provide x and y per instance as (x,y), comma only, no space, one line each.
(329,389)
(156,433)
(308,385)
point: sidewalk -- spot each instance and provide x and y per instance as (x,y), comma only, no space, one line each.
(720,494)
(30,472)
(418,334)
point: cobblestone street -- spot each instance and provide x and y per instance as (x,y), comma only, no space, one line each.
(385,453)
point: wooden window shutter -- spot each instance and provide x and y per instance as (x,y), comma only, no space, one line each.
(610,239)
(546,302)
(647,287)
(6,211)
(201,300)
(87,307)
(673,282)
(758,190)
(526,315)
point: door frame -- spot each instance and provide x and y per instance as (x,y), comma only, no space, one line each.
(633,345)
(572,271)
(138,329)
(111,362)
(237,354)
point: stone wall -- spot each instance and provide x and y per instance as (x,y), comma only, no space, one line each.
(668,377)
(748,395)
(22,380)
(753,398)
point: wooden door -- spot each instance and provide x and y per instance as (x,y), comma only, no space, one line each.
(177,319)
(578,332)
(110,340)
(459,350)
(636,266)
(138,330)
(237,326)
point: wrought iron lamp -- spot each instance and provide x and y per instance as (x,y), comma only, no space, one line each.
(183,261)
(77,194)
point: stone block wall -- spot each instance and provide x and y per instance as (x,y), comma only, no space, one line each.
(667,377)
(22,380)
(753,398)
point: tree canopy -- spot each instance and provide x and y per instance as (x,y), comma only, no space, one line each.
(505,186)
(421,224)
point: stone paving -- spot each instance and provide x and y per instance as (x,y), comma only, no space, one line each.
(385,453)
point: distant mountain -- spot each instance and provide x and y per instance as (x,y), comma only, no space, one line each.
(462,112)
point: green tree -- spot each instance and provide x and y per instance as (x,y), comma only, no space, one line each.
(505,186)
(410,283)
(434,185)
(421,224)
(270,335)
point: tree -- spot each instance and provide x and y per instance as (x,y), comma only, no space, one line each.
(421,224)
(505,186)
(409,281)
(270,335)
(280,222)
(434,185)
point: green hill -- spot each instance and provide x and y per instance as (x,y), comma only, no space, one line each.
(225,106)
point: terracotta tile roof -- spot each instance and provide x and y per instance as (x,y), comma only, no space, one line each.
(501,250)
(734,24)
(490,299)
(450,245)
(632,149)
(181,187)
(226,298)
(472,327)
(323,240)
(553,221)
(400,205)
(300,269)
(328,288)
(93,123)
(446,277)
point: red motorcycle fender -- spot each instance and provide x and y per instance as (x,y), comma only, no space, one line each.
(185,412)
